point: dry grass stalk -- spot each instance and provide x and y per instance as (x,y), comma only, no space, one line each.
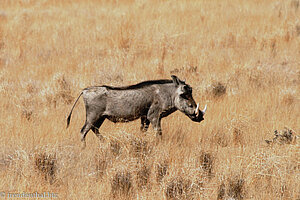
(178,188)
(161,170)
(143,176)
(232,189)
(206,161)
(286,137)
(122,184)
(46,164)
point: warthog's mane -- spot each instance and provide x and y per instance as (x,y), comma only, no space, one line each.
(139,85)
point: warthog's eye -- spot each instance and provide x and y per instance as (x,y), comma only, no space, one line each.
(188,89)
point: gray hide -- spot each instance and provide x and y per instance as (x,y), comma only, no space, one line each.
(149,100)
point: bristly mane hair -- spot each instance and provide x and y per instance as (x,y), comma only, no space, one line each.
(139,85)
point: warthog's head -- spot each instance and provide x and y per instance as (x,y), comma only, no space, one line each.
(185,102)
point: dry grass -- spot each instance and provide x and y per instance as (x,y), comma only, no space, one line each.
(241,57)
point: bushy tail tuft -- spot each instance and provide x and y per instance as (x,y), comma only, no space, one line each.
(68,120)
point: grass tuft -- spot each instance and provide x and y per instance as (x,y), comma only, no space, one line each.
(122,183)
(178,188)
(46,165)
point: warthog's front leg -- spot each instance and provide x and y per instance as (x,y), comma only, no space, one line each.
(154,117)
(144,124)
(157,128)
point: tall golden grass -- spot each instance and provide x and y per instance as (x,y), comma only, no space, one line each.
(241,57)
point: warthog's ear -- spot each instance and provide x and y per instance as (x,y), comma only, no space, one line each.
(176,80)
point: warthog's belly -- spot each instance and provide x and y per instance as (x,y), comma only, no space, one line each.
(117,119)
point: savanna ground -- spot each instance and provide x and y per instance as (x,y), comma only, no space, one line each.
(241,57)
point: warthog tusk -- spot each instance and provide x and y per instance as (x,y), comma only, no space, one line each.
(197,109)
(204,110)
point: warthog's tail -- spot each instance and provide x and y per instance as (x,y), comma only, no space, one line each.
(69,117)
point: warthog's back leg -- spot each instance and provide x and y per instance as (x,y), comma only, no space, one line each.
(96,126)
(144,124)
(84,130)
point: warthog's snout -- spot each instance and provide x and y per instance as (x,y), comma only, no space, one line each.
(198,116)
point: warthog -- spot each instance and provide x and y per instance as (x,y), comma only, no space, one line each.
(150,100)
